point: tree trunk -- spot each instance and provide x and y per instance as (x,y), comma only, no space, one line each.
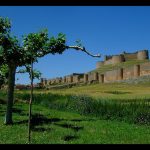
(10,94)
(30,103)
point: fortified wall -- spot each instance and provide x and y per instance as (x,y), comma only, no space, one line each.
(114,59)
(133,71)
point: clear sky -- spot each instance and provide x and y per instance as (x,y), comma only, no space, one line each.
(102,29)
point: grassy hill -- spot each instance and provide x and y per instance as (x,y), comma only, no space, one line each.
(115,91)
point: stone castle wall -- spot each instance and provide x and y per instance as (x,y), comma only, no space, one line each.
(130,56)
(109,76)
(114,59)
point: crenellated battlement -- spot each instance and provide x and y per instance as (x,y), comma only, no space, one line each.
(114,59)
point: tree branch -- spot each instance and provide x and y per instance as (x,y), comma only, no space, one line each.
(83,49)
(41,52)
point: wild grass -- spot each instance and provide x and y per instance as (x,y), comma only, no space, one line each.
(91,114)
(104,91)
(134,111)
(51,126)
(107,101)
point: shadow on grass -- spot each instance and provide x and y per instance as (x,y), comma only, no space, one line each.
(14,110)
(70,126)
(79,120)
(2,112)
(70,137)
(117,92)
(19,111)
(39,120)
(41,129)
(2,101)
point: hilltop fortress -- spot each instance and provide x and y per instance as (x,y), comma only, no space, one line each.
(124,57)
(114,70)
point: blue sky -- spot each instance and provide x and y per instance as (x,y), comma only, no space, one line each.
(102,29)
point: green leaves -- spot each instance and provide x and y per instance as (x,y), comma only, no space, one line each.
(34,45)
(5,25)
(35,41)
(4,69)
(57,45)
(36,73)
(3,74)
(78,42)
(1,50)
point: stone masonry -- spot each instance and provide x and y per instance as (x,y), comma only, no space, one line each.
(134,71)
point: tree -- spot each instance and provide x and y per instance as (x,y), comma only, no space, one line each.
(34,46)
(36,73)
(3,75)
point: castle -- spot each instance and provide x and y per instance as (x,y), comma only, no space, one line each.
(116,74)
(139,55)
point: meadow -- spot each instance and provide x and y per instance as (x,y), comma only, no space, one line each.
(114,91)
(50,126)
(88,114)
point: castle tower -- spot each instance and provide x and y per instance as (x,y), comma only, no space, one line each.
(99,64)
(142,55)
(85,78)
(117,59)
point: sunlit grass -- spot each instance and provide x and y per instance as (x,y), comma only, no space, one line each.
(105,91)
(70,118)
(68,128)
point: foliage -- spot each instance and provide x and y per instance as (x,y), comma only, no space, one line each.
(13,54)
(4,25)
(33,46)
(3,74)
(36,73)
(79,43)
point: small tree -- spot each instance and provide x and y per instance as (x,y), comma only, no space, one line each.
(34,46)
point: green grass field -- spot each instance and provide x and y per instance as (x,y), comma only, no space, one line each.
(58,127)
(92,114)
(116,91)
